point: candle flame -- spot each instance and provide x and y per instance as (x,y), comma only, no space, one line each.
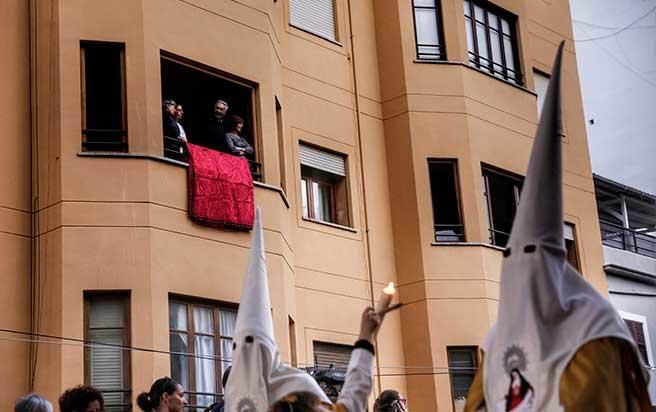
(389,290)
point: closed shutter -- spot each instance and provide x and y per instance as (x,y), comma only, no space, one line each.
(462,369)
(568,231)
(638,334)
(327,354)
(541,85)
(106,326)
(322,160)
(315,16)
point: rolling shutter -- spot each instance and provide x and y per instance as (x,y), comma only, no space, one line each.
(568,232)
(326,354)
(541,85)
(638,334)
(315,16)
(322,160)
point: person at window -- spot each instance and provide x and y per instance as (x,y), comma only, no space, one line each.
(236,145)
(215,136)
(166,395)
(359,376)
(169,124)
(179,112)
(82,398)
(390,401)
(32,403)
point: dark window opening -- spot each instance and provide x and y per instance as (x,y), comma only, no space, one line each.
(197,88)
(200,339)
(501,191)
(281,145)
(330,363)
(570,246)
(447,217)
(492,40)
(104,124)
(463,363)
(107,322)
(324,192)
(428,30)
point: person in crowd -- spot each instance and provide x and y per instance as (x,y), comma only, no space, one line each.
(166,395)
(390,401)
(359,377)
(32,403)
(82,398)
(235,144)
(216,130)
(179,112)
(220,405)
(169,124)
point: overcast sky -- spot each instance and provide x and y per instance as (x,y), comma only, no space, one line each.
(616,53)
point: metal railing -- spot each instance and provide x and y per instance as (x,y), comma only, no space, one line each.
(174,149)
(623,238)
(449,233)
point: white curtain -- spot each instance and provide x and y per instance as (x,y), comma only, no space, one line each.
(227,322)
(204,349)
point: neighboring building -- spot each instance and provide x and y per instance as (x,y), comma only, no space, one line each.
(390,138)
(627,218)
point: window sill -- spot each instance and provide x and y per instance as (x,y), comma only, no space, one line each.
(476,69)
(469,244)
(163,159)
(334,225)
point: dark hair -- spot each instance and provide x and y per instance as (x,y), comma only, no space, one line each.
(148,401)
(168,102)
(385,400)
(32,403)
(232,121)
(78,398)
(296,402)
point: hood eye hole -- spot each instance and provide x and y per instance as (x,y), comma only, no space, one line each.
(506,252)
(529,248)
(249,339)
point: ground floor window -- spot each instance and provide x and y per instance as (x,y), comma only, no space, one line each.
(463,363)
(200,338)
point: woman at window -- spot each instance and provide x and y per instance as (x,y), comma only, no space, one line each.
(166,395)
(237,145)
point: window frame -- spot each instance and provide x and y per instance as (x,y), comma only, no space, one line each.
(474,57)
(538,72)
(489,169)
(123,146)
(575,247)
(337,34)
(645,330)
(442,51)
(454,163)
(476,357)
(216,308)
(124,296)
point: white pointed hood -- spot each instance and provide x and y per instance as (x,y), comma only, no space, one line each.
(547,311)
(258,378)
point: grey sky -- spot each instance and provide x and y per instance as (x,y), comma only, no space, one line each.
(618,81)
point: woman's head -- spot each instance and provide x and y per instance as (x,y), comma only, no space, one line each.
(32,403)
(299,402)
(82,398)
(234,123)
(165,393)
(390,401)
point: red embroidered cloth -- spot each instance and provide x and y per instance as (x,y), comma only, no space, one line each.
(220,189)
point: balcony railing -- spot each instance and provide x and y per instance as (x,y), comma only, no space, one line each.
(174,149)
(449,233)
(628,239)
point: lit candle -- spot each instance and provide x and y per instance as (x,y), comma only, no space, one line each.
(385,298)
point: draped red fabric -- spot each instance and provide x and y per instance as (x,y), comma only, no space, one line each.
(220,189)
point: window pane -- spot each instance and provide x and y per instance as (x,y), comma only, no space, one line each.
(467,8)
(462,368)
(203,320)
(481,37)
(205,370)
(304,197)
(106,312)
(226,353)
(426,20)
(508,49)
(322,201)
(177,316)
(446,208)
(470,37)
(424,3)
(479,13)
(179,343)
(227,319)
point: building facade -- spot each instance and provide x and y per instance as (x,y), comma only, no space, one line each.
(627,217)
(389,141)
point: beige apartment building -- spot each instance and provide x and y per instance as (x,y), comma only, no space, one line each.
(390,138)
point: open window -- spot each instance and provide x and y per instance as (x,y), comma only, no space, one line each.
(197,88)
(570,246)
(324,193)
(447,217)
(501,191)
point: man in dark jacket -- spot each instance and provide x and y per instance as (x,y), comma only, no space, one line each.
(215,138)
(220,405)
(169,124)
